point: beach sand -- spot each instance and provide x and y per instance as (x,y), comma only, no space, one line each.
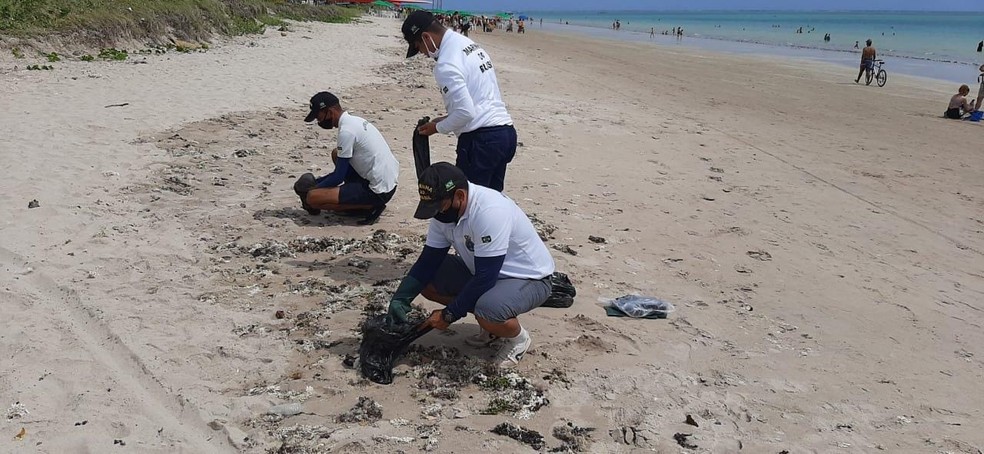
(822,243)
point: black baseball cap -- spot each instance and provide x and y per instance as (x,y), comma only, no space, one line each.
(436,184)
(415,25)
(320,101)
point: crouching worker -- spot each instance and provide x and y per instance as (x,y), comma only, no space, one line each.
(365,174)
(501,268)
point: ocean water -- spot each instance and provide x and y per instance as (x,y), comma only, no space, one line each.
(931,44)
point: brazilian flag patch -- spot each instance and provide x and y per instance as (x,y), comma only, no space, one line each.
(486,239)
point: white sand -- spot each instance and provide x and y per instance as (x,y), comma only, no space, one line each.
(132,301)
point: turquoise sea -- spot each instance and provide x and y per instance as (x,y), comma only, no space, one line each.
(931,44)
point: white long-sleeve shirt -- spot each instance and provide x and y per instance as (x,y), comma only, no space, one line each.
(467,81)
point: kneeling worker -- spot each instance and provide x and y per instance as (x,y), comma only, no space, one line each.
(365,172)
(501,268)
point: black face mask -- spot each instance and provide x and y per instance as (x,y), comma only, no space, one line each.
(449,216)
(326,124)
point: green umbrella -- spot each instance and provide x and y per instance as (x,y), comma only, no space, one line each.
(382,3)
(412,6)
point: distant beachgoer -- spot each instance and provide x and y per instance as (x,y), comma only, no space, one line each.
(618,25)
(980,46)
(365,172)
(980,91)
(868,56)
(652,32)
(541,22)
(521,27)
(959,105)
(855,44)
(613,25)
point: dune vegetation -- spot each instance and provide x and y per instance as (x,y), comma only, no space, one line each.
(106,22)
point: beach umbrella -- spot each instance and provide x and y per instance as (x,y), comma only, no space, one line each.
(412,7)
(382,3)
(503,15)
(524,17)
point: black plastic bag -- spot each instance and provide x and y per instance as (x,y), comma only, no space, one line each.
(383,344)
(562,292)
(421,148)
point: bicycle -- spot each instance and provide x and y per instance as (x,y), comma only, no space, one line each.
(874,71)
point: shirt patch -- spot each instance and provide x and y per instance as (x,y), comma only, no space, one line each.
(486,239)
(444,90)
(469,244)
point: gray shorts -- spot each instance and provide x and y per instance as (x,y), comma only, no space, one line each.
(509,298)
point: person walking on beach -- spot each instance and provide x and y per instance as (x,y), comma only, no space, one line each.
(856,45)
(475,110)
(868,56)
(365,172)
(652,32)
(500,270)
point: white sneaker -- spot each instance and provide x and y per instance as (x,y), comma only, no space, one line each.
(512,350)
(482,339)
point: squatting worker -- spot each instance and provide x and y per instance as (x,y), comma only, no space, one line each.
(501,268)
(475,111)
(364,179)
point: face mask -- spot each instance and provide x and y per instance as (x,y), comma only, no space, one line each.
(327,124)
(427,51)
(449,216)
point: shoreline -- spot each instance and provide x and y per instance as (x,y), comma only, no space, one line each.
(928,68)
(812,234)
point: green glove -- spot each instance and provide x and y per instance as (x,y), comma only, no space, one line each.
(399,305)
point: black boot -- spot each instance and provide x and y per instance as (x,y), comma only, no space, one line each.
(373,215)
(304,184)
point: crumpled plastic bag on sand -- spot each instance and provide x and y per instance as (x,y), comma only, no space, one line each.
(638,306)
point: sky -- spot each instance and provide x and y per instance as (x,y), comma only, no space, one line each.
(610,5)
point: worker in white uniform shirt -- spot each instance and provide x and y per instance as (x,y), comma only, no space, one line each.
(475,111)
(500,270)
(365,175)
